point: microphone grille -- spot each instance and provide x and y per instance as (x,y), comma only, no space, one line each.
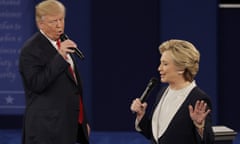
(153,81)
(63,37)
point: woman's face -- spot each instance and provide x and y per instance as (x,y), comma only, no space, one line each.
(169,73)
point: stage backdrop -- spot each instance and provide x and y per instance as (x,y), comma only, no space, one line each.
(120,41)
(16,24)
(125,38)
(228,66)
(195,22)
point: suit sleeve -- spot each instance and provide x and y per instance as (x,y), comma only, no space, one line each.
(145,126)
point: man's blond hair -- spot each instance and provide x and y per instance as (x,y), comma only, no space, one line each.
(48,7)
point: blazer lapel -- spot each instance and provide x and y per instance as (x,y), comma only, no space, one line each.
(50,52)
(159,96)
(75,71)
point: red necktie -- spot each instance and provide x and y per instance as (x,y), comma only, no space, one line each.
(80,117)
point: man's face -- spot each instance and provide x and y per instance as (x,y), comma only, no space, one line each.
(52,25)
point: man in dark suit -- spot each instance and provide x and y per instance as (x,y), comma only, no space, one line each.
(54,112)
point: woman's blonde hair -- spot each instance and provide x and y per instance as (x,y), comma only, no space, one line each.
(185,56)
(48,7)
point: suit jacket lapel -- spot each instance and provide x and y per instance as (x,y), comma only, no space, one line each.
(75,70)
(50,52)
(159,96)
(79,84)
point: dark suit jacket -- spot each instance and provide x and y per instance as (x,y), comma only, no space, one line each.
(52,96)
(181,129)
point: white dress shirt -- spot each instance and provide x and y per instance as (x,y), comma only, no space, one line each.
(167,108)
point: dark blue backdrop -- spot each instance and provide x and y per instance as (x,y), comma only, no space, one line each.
(196,22)
(16,24)
(120,42)
(228,67)
(125,43)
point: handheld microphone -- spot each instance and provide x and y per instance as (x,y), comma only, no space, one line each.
(64,37)
(151,84)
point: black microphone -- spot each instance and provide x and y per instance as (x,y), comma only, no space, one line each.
(151,84)
(64,37)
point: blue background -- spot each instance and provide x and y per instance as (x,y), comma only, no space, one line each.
(120,42)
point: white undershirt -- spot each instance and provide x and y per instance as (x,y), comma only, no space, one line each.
(167,108)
